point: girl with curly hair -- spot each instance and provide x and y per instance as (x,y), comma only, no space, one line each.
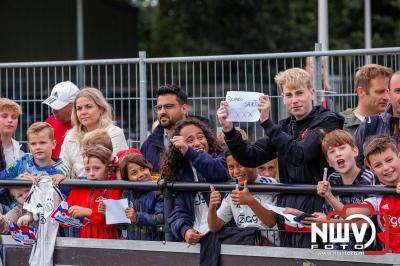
(194,156)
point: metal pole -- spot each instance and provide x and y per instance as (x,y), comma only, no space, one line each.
(143,97)
(323,32)
(317,75)
(367,28)
(168,206)
(80,40)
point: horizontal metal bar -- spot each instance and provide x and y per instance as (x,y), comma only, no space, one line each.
(283,188)
(108,98)
(71,63)
(79,183)
(205,187)
(374,51)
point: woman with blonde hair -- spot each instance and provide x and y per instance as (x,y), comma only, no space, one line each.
(91,111)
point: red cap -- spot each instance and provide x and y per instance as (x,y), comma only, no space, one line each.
(121,155)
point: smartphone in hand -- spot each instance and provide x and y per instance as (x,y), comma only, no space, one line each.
(302,216)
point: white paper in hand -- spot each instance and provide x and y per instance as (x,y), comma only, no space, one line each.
(279,210)
(115,211)
(242,106)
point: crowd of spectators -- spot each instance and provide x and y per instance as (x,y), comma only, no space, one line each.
(357,147)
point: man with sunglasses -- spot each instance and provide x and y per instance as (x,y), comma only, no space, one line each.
(171,107)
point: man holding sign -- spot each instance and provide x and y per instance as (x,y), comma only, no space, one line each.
(295,141)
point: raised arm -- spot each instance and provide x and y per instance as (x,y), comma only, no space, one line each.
(244,197)
(214,222)
(298,151)
(214,169)
(248,155)
(324,190)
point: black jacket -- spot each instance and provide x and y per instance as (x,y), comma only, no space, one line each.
(210,249)
(297,145)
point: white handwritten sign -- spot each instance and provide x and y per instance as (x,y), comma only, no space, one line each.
(242,106)
(115,211)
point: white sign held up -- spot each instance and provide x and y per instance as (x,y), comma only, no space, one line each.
(242,106)
(115,211)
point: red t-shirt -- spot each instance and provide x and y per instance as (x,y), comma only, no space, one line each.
(391,206)
(60,130)
(90,198)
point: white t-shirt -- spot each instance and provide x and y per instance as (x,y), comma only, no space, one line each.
(244,215)
(9,155)
(200,210)
(360,117)
(12,153)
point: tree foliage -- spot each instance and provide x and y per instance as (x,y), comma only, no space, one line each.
(201,27)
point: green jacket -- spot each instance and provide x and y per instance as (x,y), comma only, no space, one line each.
(351,122)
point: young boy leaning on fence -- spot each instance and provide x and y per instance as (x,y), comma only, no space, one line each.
(17,214)
(84,202)
(246,208)
(39,162)
(341,152)
(383,158)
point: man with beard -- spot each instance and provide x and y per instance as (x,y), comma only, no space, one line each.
(171,107)
(61,102)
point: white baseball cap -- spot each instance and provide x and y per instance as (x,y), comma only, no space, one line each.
(62,94)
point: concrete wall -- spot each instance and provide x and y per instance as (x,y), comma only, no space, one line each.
(74,251)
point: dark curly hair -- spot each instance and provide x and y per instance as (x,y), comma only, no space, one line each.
(174,159)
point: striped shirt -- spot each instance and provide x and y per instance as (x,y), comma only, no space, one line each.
(364,178)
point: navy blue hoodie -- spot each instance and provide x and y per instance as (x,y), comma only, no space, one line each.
(210,168)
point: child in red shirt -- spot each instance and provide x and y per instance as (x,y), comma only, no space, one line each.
(84,202)
(383,158)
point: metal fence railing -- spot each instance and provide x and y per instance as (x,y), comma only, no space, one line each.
(31,83)
(129,84)
(169,189)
